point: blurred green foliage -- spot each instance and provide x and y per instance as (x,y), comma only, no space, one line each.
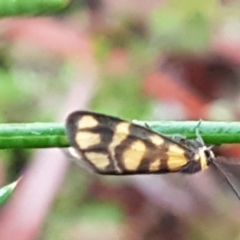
(76,210)
(183,26)
(121,96)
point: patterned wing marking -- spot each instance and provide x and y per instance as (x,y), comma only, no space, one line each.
(114,146)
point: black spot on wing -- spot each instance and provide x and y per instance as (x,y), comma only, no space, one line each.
(72,128)
(153,152)
(191,167)
(106,136)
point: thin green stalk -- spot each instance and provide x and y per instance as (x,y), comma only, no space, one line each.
(47,135)
(33,7)
(32,135)
(212,132)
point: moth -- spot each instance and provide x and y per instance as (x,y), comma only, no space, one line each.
(113,146)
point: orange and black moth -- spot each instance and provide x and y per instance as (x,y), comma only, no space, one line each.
(113,146)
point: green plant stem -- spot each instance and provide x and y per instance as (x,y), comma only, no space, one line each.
(32,7)
(47,135)
(32,135)
(212,132)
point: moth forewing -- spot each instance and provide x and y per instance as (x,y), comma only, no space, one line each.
(115,146)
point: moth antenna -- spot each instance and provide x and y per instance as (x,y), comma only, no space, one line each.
(228,181)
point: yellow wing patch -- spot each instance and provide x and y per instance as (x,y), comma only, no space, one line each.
(133,155)
(155,165)
(98,159)
(173,148)
(87,121)
(87,139)
(176,158)
(157,140)
(175,163)
(121,133)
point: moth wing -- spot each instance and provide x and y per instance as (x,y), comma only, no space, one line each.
(114,146)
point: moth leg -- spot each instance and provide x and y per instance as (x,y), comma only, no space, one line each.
(198,135)
(147,126)
(178,137)
(182,140)
(197,132)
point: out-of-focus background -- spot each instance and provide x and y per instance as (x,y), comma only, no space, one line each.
(145,60)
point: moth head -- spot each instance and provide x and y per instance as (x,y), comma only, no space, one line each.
(204,156)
